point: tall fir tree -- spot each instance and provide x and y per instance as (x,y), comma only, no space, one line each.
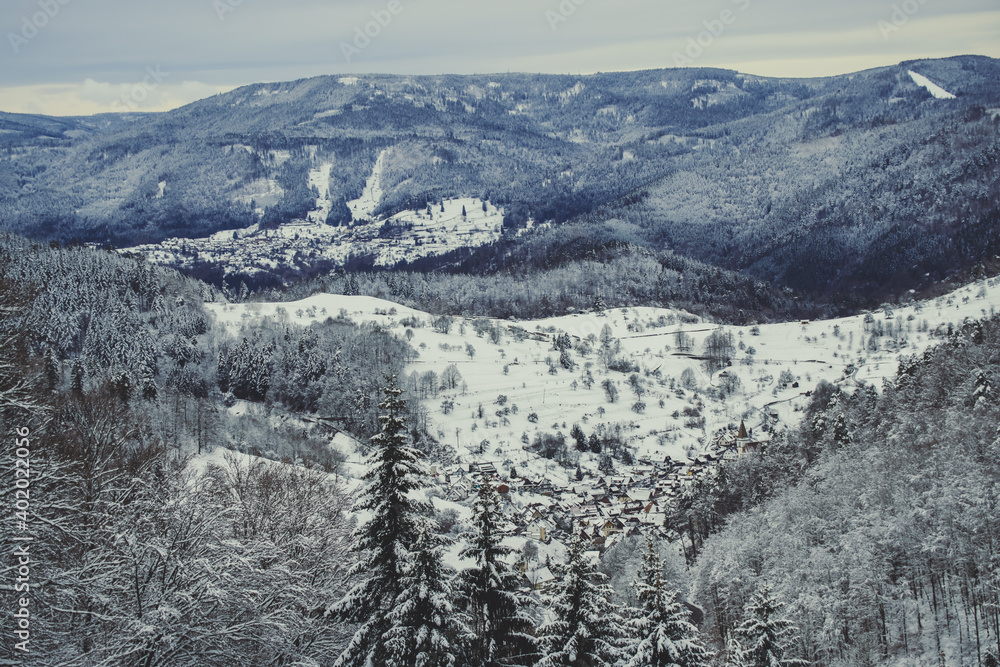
(423,628)
(383,542)
(764,637)
(500,629)
(665,635)
(587,629)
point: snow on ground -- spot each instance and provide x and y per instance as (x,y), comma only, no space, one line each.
(934,89)
(515,388)
(464,222)
(320,179)
(406,236)
(363,208)
(508,394)
(221,457)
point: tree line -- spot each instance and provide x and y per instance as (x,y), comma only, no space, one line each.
(874,523)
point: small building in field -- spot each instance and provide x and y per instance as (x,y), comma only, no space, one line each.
(540,579)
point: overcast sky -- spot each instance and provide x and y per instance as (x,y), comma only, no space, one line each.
(74,57)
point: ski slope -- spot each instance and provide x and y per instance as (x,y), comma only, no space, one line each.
(363,208)
(320,179)
(934,89)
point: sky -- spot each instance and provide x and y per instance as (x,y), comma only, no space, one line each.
(80,57)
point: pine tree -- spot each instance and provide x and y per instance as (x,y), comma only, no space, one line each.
(983,391)
(665,635)
(78,375)
(422,623)
(841,431)
(52,371)
(499,627)
(587,628)
(764,637)
(383,541)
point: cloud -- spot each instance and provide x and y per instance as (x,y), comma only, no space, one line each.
(815,52)
(93,97)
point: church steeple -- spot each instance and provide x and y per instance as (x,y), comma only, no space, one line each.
(744,441)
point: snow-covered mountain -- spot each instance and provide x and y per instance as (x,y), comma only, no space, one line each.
(861,183)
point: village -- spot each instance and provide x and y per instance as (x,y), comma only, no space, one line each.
(511,402)
(602,511)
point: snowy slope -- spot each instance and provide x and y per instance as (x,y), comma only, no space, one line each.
(509,394)
(406,236)
(934,89)
(363,208)
(464,222)
(320,179)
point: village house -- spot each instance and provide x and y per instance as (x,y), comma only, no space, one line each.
(540,579)
(488,469)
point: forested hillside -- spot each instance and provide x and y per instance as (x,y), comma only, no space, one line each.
(577,269)
(113,373)
(846,188)
(189,507)
(874,524)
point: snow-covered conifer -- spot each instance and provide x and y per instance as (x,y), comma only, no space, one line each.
(666,636)
(422,624)
(499,627)
(765,636)
(587,629)
(384,540)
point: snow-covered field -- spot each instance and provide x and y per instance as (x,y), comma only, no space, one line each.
(513,387)
(363,208)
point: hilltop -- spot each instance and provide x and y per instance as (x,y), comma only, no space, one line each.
(845,188)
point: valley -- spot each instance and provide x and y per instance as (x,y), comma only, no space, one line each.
(502,392)
(310,372)
(850,190)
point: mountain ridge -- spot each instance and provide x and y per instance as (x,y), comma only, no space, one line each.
(827,185)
